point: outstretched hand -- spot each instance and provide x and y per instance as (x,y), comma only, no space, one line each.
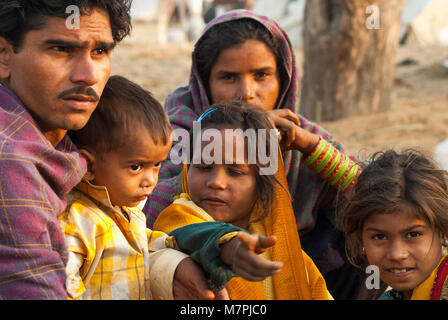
(190,283)
(242,253)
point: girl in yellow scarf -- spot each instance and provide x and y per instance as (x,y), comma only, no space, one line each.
(396,220)
(236,192)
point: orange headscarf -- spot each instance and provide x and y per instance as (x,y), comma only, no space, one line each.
(299,279)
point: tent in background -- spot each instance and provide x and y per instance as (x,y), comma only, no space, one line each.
(423,21)
(287,13)
(144,10)
(430,25)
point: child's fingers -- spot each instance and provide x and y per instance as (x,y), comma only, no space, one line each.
(249,260)
(265,242)
(250,277)
(255,242)
(247,263)
(261,266)
(248,240)
(255,268)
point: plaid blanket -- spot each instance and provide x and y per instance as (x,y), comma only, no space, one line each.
(34,179)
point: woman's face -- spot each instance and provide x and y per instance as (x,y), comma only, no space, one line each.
(246,73)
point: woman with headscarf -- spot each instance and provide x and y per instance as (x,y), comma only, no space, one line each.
(245,57)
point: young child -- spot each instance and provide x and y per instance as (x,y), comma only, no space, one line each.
(397,220)
(111,252)
(232,190)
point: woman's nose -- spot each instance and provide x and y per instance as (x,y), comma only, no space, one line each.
(246,91)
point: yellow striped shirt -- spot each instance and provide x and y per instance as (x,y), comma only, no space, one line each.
(108,251)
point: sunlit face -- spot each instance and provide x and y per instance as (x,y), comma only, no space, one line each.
(131,173)
(225,191)
(404,247)
(59,74)
(247,73)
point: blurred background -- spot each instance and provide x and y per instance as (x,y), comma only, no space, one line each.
(373,72)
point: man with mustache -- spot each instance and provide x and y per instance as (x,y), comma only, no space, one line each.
(51,77)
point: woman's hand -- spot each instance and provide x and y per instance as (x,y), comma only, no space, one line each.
(242,254)
(292,136)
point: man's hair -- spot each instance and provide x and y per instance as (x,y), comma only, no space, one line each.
(124,110)
(392,182)
(17,17)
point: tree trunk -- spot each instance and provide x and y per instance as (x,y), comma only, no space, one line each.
(349,57)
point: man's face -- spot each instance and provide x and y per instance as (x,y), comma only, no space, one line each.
(59,74)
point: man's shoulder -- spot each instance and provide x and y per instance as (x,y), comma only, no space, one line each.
(21,143)
(16,123)
(10,104)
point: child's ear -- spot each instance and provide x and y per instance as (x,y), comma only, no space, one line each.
(90,157)
(6,50)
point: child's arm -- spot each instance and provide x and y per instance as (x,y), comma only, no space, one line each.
(202,241)
(242,254)
(173,274)
(74,284)
(82,245)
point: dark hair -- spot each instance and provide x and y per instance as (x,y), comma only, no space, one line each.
(17,17)
(229,34)
(236,115)
(392,182)
(123,109)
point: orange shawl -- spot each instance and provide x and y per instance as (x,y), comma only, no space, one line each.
(299,279)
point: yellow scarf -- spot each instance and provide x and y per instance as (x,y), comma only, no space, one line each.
(423,291)
(299,279)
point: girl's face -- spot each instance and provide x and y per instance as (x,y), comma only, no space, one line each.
(226,189)
(247,73)
(404,248)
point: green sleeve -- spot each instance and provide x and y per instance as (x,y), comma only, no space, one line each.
(200,241)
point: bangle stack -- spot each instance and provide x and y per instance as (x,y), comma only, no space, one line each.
(332,166)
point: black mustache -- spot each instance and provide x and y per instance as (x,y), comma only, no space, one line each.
(80,90)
